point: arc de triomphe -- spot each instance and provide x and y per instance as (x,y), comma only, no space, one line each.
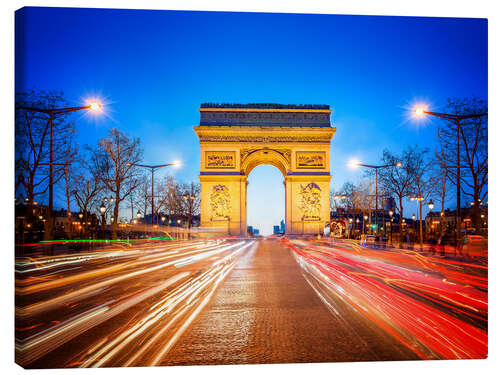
(235,138)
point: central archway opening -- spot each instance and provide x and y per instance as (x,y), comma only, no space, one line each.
(265,199)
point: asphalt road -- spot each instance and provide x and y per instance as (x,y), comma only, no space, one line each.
(243,301)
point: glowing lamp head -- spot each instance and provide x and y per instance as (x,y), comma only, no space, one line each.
(419,111)
(95,106)
(353,163)
(399,164)
(176,164)
(102,208)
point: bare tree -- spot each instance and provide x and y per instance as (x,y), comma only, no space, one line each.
(38,136)
(142,194)
(422,183)
(473,138)
(440,182)
(190,199)
(67,172)
(113,159)
(87,186)
(169,196)
(397,180)
(32,142)
(345,194)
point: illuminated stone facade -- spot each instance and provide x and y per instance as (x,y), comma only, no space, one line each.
(234,139)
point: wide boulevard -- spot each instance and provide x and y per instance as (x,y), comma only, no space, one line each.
(236,301)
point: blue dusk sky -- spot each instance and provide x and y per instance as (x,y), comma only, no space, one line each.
(152,69)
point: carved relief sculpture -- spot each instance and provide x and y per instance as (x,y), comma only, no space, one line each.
(220,159)
(245,152)
(310,204)
(220,202)
(310,160)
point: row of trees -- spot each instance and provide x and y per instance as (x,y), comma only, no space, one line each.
(431,174)
(88,176)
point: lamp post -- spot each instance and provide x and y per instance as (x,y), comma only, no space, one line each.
(53,114)
(413,222)
(139,215)
(391,212)
(80,216)
(102,208)
(189,198)
(456,120)
(431,207)
(153,168)
(355,164)
(364,219)
(419,200)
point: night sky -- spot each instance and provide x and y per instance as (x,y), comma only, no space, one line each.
(152,69)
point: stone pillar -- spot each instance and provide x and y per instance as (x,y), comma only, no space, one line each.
(223,200)
(307,203)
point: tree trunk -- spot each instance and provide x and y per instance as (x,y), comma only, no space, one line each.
(421,233)
(400,219)
(115,216)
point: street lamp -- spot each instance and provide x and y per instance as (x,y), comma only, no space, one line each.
(189,198)
(139,214)
(431,207)
(80,216)
(102,208)
(454,119)
(391,212)
(53,114)
(355,163)
(153,168)
(419,200)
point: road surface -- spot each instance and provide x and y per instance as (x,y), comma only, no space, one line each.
(240,301)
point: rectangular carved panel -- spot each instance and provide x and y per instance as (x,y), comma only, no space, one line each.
(220,159)
(311,159)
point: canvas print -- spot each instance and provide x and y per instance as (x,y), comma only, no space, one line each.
(206,188)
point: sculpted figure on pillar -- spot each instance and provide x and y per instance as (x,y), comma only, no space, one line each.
(310,201)
(220,202)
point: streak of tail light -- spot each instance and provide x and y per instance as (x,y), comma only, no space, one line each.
(147,259)
(374,287)
(48,340)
